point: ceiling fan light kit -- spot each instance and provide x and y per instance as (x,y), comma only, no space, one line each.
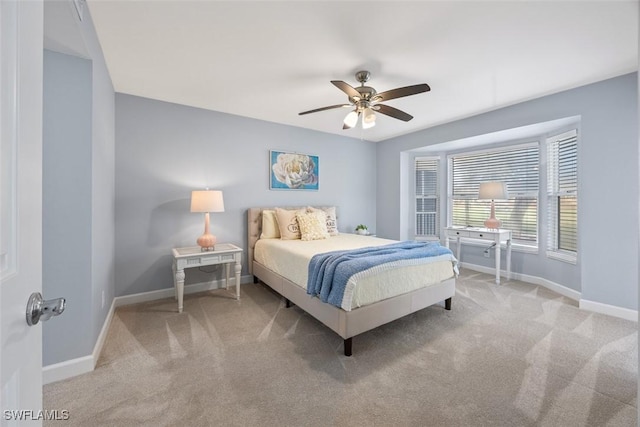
(366,101)
(351,119)
(368,118)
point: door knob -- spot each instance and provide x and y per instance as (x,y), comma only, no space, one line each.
(39,309)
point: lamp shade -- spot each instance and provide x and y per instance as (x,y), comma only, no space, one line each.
(368,118)
(494,190)
(207,201)
(351,119)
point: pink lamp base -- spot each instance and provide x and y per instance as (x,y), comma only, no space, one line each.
(493,223)
(207,242)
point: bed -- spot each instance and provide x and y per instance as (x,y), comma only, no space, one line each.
(283,266)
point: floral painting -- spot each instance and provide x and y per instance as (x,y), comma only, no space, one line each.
(293,171)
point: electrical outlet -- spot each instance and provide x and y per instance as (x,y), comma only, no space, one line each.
(102,299)
(487,254)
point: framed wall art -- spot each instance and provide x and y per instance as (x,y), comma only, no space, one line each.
(293,171)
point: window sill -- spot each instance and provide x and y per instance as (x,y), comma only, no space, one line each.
(568,257)
(426,238)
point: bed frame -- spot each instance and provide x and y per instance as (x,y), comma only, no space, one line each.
(347,324)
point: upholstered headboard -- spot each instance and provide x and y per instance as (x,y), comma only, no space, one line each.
(254,228)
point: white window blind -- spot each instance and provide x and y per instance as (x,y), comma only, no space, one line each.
(427,201)
(562,194)
(518,167)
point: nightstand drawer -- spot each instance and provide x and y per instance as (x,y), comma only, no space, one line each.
(457,233)
(203,260)
(480,235)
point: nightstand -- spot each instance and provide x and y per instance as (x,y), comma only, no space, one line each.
(224,253)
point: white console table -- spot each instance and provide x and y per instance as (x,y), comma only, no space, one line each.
(224,253)
(496,236)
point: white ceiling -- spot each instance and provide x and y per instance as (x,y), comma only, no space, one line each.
(270,60)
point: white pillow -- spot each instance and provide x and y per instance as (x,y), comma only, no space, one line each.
(288,223)
(332,221)
(270,228)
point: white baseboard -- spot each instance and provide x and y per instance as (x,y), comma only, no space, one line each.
(81,365)
(67,369)
(97,349)
(170,292)
(534,280)
(597,307)
(611,310)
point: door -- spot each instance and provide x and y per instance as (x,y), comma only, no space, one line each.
(21,51)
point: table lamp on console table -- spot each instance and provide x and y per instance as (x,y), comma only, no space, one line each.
(207,201)
(494,190)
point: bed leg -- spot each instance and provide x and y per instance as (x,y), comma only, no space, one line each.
(287,303)
(447,304)
(347,346)
(255,279)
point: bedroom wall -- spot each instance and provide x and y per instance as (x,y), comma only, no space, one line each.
(608,185)
(164,151)
(103,180)
(79,187)
(66,204)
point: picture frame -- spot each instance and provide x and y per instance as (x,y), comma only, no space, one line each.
(293,171)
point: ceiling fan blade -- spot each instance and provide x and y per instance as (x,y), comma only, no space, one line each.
(324,108)
(392,112)
(346,88)
(401,91)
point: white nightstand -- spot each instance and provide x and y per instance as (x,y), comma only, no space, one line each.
(497,236)
(224,253)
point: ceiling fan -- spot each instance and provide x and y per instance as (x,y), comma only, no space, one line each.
(365,101)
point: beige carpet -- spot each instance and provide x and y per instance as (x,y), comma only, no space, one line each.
(509,355)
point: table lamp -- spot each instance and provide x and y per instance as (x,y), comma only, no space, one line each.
(494,190)
(207,201)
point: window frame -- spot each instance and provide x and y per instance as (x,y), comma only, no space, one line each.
(524,245)
(437,197)
(550,192)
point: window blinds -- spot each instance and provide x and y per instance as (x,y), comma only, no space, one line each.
(562,192)
(427,203)
(518,166)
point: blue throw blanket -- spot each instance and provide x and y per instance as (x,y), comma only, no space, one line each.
(329,272)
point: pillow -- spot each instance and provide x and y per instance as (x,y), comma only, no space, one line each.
(288,223)
(313,225)
(269,225)
(331,219)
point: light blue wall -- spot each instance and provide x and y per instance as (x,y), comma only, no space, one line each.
(608,185)
(66,204)
(163,151)
(103,180)
(79,188)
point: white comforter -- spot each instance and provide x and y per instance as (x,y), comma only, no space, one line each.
(290,259)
